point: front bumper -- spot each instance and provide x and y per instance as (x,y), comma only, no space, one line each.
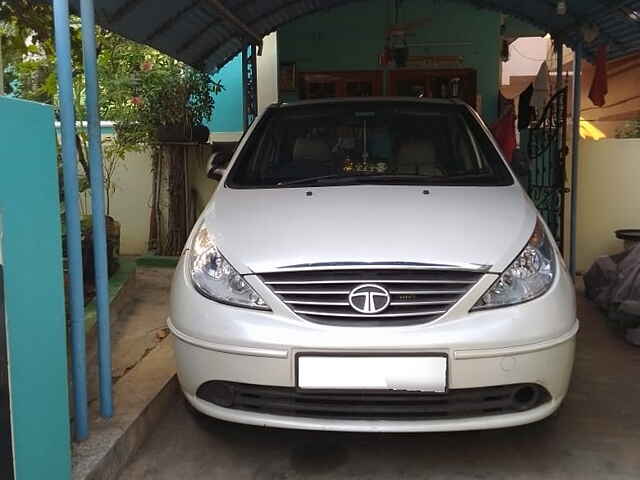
(531,343)
(463,424)
(546,363)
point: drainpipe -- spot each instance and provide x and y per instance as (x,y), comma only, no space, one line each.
(96,178)
(72,216)
(575,147)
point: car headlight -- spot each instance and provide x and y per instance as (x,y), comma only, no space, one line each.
(216,279)
(529,276)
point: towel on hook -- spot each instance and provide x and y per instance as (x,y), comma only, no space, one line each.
(504,131)
(599,86)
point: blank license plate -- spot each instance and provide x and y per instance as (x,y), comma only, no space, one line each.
(408,373)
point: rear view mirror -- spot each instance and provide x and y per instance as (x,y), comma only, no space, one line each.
(217,164)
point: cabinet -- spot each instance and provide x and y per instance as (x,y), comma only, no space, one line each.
(454,83)
(450,83)
(340,84)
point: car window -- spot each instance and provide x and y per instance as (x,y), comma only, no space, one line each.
(362,142)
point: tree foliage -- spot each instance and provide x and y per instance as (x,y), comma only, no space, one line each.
(140,88)
(143,90)
(630,129)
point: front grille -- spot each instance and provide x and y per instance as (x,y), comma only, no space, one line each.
(374,405)
(417,296)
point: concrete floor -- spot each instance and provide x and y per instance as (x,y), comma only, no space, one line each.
(142,364)
(595,435)
(139,328)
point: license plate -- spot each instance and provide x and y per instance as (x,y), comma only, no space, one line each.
(416,373)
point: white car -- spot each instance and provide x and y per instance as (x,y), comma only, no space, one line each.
(372,265)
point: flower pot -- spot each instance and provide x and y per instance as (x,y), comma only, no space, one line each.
(200,134)
(182,133)
(172,133)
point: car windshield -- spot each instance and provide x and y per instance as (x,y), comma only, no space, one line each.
(368,143)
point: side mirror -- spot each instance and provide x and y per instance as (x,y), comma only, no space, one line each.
(217,165)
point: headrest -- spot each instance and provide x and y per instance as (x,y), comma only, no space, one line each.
(311,150)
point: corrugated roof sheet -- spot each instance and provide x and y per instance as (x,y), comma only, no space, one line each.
(195,32)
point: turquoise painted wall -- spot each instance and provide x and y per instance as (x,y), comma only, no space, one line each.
(36,327)
(227,115)
(351,38)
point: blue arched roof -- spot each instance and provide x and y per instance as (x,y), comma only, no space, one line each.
(196,32)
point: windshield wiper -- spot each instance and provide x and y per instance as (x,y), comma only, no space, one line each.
(311,180)
(338,179)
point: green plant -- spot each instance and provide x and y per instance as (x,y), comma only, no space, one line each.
(140,89)
(112,161)
(146,90)
(631,129)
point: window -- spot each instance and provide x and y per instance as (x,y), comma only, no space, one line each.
(369,142)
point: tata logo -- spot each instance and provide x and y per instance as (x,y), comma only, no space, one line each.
(369,299)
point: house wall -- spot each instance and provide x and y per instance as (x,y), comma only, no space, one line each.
(34,291)
(608,196)
(268,72)
(526,56)
(130,204)
(227,117)
(623,99)
(351,38)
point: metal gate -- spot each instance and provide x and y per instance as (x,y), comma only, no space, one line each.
(547,150)
(250,86)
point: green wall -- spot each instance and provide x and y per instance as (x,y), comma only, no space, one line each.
(351,38)
(34,292)
(227,115)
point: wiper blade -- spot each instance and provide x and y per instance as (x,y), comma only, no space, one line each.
(378,177)
(335,178)
(339,179)
(310,180)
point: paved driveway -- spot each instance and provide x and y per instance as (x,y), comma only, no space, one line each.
(596,435)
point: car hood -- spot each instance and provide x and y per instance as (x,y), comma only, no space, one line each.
(260,230)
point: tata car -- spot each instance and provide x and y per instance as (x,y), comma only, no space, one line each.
(372,265)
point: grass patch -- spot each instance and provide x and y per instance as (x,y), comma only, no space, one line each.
(157,261)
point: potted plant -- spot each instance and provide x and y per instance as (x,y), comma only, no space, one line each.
(170,101)
(161,104)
